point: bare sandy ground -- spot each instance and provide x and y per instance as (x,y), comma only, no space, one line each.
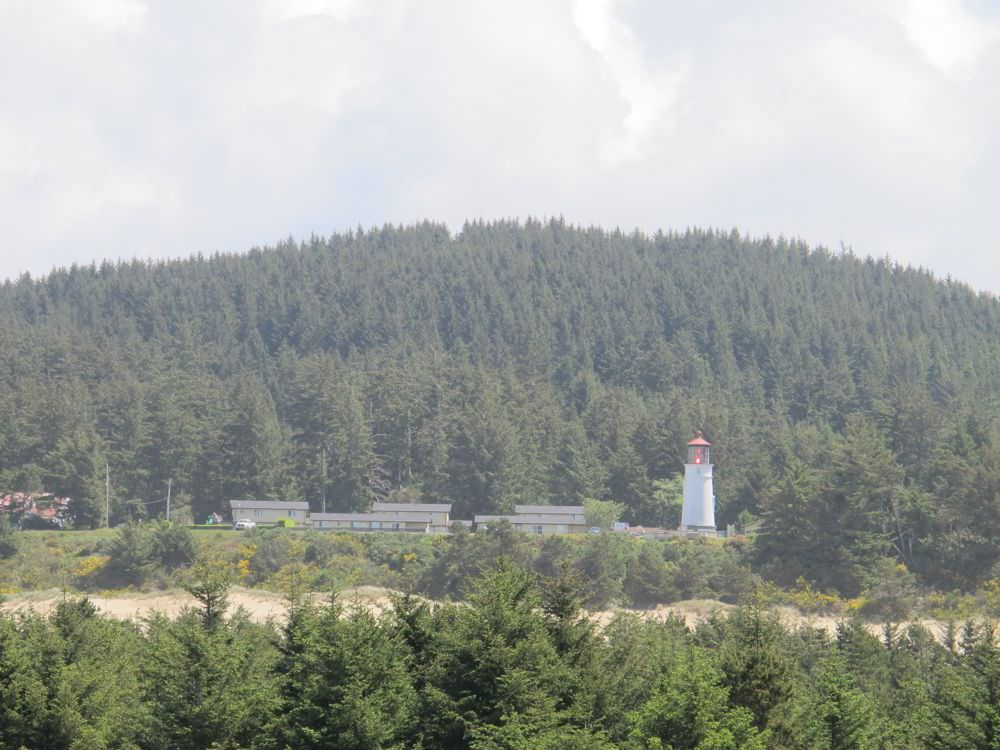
(259,605)
(696,611)
(263,605)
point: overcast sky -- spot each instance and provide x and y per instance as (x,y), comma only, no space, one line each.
(161,129)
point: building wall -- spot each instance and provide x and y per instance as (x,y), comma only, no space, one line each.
(372,525)
(530,523)
(271,515)
(539,527)
(698,510)
(544,513)
(439,518)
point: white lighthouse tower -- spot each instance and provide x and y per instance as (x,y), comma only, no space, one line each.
(698,513)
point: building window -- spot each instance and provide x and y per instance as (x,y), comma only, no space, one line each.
(257,514)
(376,524)
(536,529)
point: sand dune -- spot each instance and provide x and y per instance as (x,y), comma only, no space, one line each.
(264,605)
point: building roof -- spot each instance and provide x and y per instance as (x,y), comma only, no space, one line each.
(381,517)
(270,504)
(698,439)
(550,509)
(412,507)
(38,504)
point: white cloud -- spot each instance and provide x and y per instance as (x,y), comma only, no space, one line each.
(287,10)
(163,128)
(118,16)
(647,101)
(947,33)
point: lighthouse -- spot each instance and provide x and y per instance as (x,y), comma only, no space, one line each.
(698,513)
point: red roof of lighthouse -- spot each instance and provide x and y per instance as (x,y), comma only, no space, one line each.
(698,439)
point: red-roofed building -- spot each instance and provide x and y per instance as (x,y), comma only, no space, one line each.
(35,509)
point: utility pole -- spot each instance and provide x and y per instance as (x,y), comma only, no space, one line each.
(107,496)
(323,469)
(170,483)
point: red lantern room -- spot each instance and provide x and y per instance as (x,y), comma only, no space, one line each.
(699,450)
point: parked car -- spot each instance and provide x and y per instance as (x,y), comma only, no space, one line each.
(244,523)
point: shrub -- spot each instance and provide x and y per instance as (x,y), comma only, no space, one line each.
(89,569)
(171,545)
(893,594)
(130,557)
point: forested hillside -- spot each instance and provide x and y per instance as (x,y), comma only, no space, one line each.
(853,403)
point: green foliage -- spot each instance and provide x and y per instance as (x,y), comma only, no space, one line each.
(209,583)
(851,402)
(604,564)
(610,567)
(649,580)
(689,710)
(667,500)
(130,554)
(831,525)
(171,545)
(602,514)
(210,686)
(8,538)
(892,593)
(836,715)
(76,470)
(345,681)
(754,659)
(517,666)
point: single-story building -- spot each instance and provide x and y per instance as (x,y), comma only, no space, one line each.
(270,511)
(417,522)
(572,514)
(563,519)
(542,519)
(438,512)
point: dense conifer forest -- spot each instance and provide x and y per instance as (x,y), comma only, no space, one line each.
(853,402)
(516,668)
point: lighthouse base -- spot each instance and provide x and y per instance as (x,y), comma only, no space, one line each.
(699,531)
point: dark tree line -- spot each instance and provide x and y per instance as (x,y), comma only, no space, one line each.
(516,668)
(852,402)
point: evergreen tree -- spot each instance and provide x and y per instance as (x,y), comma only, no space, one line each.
(757,670)
(836,715)
(689,711)
(8,538)
(76,470)
(345,682)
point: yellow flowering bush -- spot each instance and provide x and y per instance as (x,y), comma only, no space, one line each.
(90,566)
